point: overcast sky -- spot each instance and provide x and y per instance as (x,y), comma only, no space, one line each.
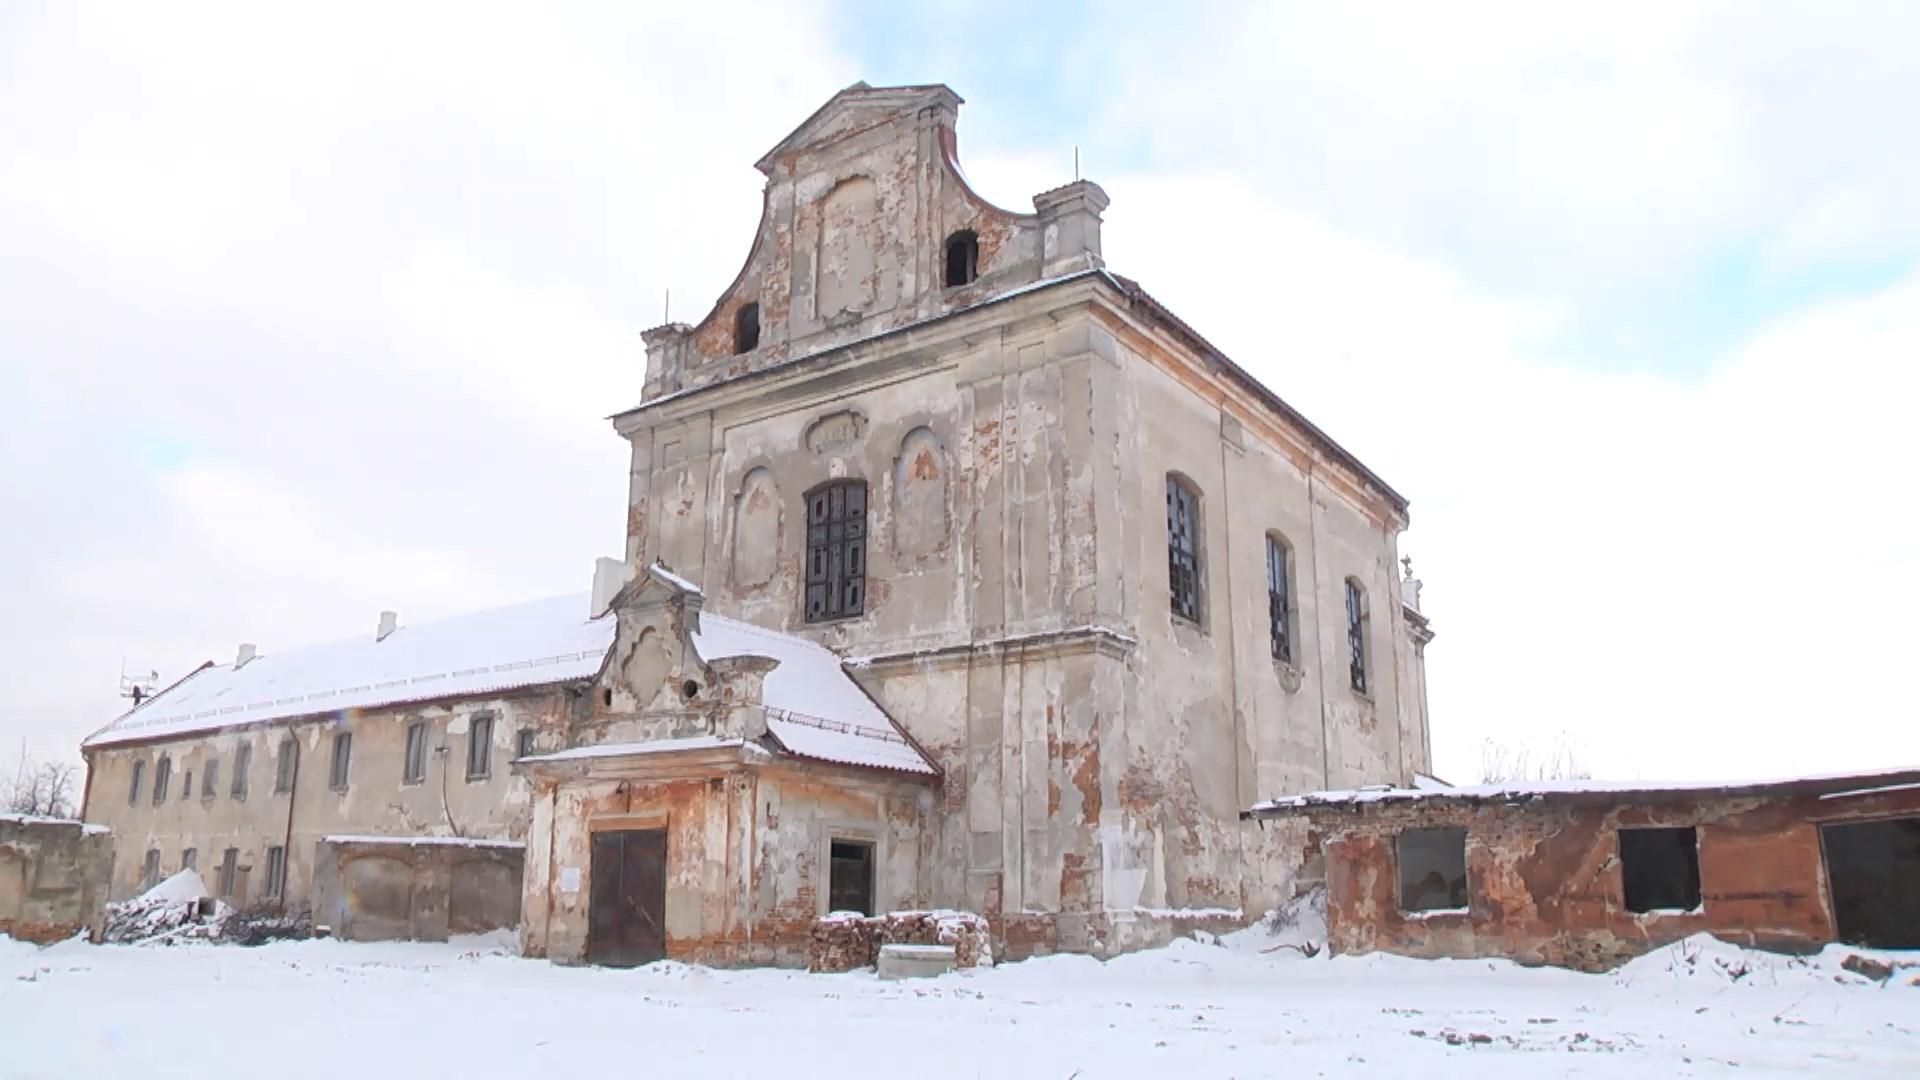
(306,316)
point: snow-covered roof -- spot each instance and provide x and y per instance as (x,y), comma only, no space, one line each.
(814,708)
(36,819)
(529,644)
(1837,785)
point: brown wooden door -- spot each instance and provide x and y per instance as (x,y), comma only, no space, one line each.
(627,900)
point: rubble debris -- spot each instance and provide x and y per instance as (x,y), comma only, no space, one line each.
(1877,970)
(179,909)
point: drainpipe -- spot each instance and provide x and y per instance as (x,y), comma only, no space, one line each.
(293,798)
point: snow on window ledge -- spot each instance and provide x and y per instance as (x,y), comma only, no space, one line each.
(1435,913)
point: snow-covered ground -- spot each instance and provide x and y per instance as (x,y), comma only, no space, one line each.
(332,1009)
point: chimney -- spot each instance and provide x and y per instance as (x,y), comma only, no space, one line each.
(389,622)
(1070,227)
(609,576)
(242,658)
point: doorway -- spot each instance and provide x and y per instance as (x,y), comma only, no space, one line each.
(1873,875)
(627,898)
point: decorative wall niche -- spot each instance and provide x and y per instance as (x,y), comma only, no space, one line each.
(921,523)
(756,528)
(835,431)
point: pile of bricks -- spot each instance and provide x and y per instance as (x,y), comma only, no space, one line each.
(844,942)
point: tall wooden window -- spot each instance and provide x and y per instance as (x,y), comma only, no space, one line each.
(133,786)
(342,761)
(276,870)
(1356,636)
(836,550)
(413,767)
(1183,549)
(229,863)
(150,871)
(480,747)
(162,774)
(283,768)
(210,778)
(1279,600)
(242,762)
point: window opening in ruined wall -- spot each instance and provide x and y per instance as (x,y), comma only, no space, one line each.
(133,786)
(963,258)
(276,870)
(150,872)
(850,876)
(342,761)
(242,764)
(1356,636)
(414,765)
(523,743)
(1279,599)
(162,775)
(836,550)
(746,328)
(283,768)
(480,747)
(210,778)
(1433,868)
(1660,869)
(1183,549)
(229,862)
(190,859)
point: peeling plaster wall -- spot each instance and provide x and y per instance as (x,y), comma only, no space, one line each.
(377,801)
(746,854)
(1544,877)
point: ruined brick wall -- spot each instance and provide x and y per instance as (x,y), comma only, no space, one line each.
(53,878)
(1545,882)
(378,799)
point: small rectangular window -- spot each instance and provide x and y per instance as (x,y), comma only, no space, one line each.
(190,859)
(415,769)
(1660,869)
(342,760)
(1433,869)
(1356,636)
(850,877)
(150,873)
(480,746)
(210,778)
(133,786)
(1183,550)
(242,761)
(229,863)
(276,870)
(283,766)
(523,743)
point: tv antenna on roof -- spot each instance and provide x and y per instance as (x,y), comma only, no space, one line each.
(137,687)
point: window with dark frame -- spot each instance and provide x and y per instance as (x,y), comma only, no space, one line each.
(162,774)
(283,766)
(746,328)
(186,785)
(210,778)
(342,761)
(133,785)
(242,763)
(1660,869)
(523,743)
(414,765)
(150,873)
(1432,868)
(1183,549)
(1356,636)
(1279,597)
(963,258)
(276,870)
(480,746)
(229,862)
(850,876)
(836,550)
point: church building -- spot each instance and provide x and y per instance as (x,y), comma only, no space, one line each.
(959,573)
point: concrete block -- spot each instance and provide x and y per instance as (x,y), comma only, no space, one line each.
(915,961)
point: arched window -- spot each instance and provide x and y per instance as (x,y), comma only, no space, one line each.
(1183,548)
(1280,598)
(162,773)
(836,550)
(963,258)
(1356,635)
(746,328)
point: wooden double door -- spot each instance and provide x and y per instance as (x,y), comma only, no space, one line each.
(627,898)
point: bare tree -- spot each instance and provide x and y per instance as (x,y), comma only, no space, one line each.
(39,788)
(1503,763)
